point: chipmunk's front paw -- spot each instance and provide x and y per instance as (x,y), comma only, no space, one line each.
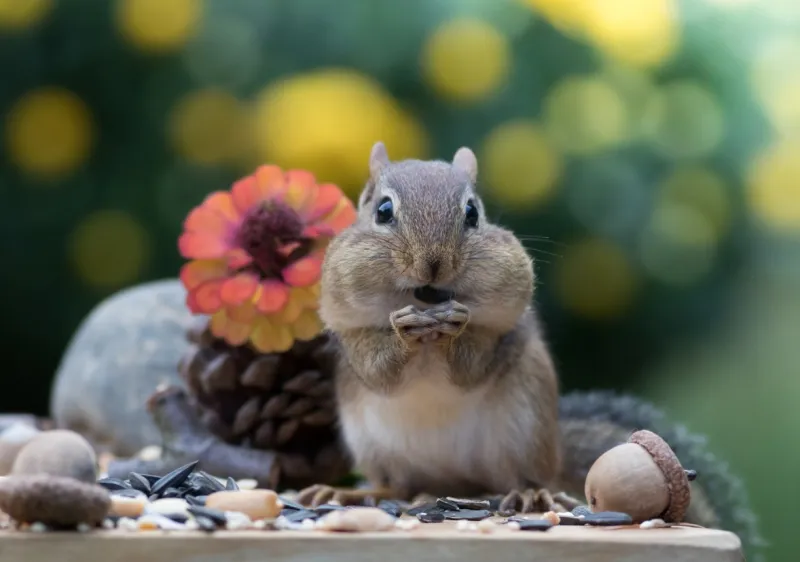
(452,317)
(412,324)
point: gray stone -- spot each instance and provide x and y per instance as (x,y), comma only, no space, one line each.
(59,452)
(128,345)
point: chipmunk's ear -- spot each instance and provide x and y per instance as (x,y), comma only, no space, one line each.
(465,161)
(378,160)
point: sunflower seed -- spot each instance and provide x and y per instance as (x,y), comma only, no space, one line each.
(432,517)
(174,478)
(468,514)
(301,515)
(393,508)
(196,500)
(112,484)
(446,505)
(426,507)
(608,518)
(139,482)
(466,503)
(214,515)
(290,504)
(533,524)
(328,507)
(205,524)
(231,484)
(581,510)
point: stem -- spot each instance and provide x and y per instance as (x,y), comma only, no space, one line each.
(185,439)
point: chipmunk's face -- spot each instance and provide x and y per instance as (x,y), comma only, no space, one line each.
(426,214)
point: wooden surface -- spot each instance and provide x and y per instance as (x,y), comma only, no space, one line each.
(428,542)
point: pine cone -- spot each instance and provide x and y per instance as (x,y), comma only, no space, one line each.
(278,401)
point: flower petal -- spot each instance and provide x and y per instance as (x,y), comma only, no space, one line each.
(221,203)
(271,181)
(237,333)
(307,326)
(317,231)
(272,297)
(245,313)
(268,337)
(197,272)
(238,289)
(202,246)
(342,216)
(301,190)
(246,194)
(219,324)
(327,197)
(303,272)
(238,258)
(289,314)
(206,297)
(203,219)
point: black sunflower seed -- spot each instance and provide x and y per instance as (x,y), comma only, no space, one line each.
(206,482)
(152,478)
(139,482)
(570,520)
(446,505)
(534,524)
(174,478)
(177,517)
(467,503)
(196,500)
(607,518)
(426,507)
(468,514)
(581,510)
(214,515)
(290,504)
(205,524)
(328,507)
(393,508)
(301,515)
(129,493)
(231,484)
(112,484)
(432,517)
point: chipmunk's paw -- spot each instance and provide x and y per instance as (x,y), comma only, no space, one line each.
(412,324)
(452,317)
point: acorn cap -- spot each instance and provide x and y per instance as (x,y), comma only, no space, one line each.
(679,490)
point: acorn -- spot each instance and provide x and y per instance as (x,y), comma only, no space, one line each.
(642,478)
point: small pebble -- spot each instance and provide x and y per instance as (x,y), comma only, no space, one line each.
(129,493)
(157,521)
(169,507)
(149,453)
(109,524)
(608,518)
(654,524)
(58,452)
(552,517)
(237,520)
(308,524)
(84,528)
(12,439)
(513,526)
(257,504)
(407,524)
(247,484)
(127,524)
(464,526)
(487,526)
(127,507)
(361,519)
(431,517)
(38,527)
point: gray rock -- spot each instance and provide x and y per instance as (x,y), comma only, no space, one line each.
(59,452)
(128,345)
(12,440)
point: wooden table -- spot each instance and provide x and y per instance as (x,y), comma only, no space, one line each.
(428,542)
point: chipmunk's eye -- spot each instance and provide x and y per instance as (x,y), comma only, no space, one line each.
(471,217)
(385,212)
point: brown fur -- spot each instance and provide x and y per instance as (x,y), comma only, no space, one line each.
(477,361)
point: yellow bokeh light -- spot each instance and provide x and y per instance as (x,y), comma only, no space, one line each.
(684,120)
(49,132)
(109,249)
(773,191)
(641,33)
(678,246)
(327,120)
(584,114)
(595,279)
(159,26)
(466,60)
(567,16)
(209,127)
(21,14)
(775,82)
(520,166)
(703,191)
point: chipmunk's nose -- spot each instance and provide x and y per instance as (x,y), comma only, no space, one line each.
(433,267)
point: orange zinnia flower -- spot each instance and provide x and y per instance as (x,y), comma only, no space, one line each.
(257,253)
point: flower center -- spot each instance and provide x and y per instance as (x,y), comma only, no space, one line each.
(266,231)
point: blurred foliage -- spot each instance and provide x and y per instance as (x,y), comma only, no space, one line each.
(646,150)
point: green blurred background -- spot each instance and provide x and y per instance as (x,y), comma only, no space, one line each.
(647,149)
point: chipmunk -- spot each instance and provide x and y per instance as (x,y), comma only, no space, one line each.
(445,384)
